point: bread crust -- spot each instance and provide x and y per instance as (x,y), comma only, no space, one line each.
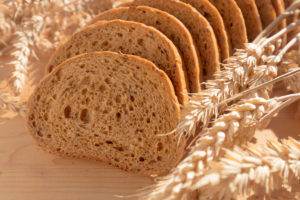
(211,13)
(130,38)
(251,16)
(234,22)
(168,25)
(198,26)
(40,128)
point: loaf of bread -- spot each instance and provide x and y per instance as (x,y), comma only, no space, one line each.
(234,22)
(109,107)
(198,26)
(251,17)
(213,16)
(129,38)
(168,25)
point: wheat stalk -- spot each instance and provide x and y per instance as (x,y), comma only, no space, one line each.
(12,103)
(254,168)
(237,127)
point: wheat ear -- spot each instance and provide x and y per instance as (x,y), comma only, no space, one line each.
(254,168)
(234,128)
(12,103)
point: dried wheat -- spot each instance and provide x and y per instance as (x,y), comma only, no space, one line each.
(251,169)
(12,103)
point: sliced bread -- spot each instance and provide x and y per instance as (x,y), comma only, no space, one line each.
(198,26)
(168,25)
(213,16)
(129,38)
(234,22)
(266,11)
(251,17)
(279,9)
(109,107)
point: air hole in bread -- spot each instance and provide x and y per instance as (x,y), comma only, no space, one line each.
(104,44)
(130,108)
(49,136)
(50,68)
(132,98)
(84,91)
(139,139)
(38,97)
(109,128)
(118,115)
(68,55)
(148,120)
(153,114)
(157,22)
(118,98)
(142,159)
(159,158)
(131,29)
(106,61)
(85,116)
(82,66)
(97,145)
(109,142)
(120,34)
(141,42)
(58,149)
(54,96)
(85,81)
(39,134)
(77,53)
(67,112)
(121,48)
(132,155)
(94,43)
(130,41)
(102,88)
(160,146)
(96,135)
(46,117)
(108,80)
(119,148)
(117,160)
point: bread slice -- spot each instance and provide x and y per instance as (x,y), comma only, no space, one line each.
(109,107)
(279,9)
(290,19)
(168,25)
(198,26)
(234,22)
(213,16)
(251,17)
(129,38)
(266,11)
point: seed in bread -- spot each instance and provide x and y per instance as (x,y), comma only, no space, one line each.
(168,25)
(198,26)
(213,16)
(129,38)
(234,22)
(266,11)
(109,107)
(251,16)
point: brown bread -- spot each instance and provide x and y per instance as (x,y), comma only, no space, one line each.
(251,16)
(279,8)
(211,13)
(129,38)
(168,25)
(266,11)
(109,107)
(233,20)
(198,26)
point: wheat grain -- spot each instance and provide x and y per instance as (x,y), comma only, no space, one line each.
(245,171)
(12,103)
(233,128)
